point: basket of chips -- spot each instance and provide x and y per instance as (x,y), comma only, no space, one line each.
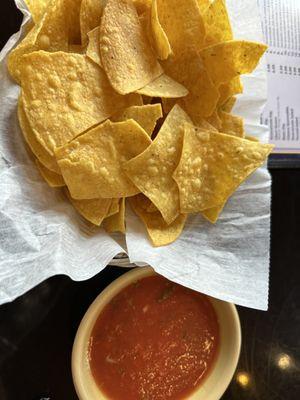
(126,106)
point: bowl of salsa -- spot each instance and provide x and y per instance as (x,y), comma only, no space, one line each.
(147,338)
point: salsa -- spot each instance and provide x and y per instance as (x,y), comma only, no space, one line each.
(155,340)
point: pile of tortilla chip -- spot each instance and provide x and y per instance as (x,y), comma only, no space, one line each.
(129,102)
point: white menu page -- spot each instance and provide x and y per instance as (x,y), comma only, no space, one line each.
(281,29)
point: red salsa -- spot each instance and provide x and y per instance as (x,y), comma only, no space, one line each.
(155,340)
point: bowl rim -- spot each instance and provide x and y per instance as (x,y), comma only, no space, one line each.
(81,341)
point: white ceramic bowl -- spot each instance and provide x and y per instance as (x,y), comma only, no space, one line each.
(215,383)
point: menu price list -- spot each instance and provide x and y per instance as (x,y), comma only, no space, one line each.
(281,29)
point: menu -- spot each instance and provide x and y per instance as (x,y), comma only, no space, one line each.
(281,29)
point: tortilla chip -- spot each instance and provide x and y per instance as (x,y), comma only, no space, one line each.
(65,94)
(182,22)
(72,15)
(92,163)
(145,203)
(54,180)
(146,116)
(227,60)
(135,99)
(217,23)
(126,55)
(152,170)
(203,99)
(142,6)
(147,100)
(77,48)
(145,23)
(116,223)
(213,165)
(164,87)
(228,106)
(152,208)
(227,90)
(168,104)
(90,17)
(188,69)
(49,34)
(232,124)
(160,233)
(203,5)
(93,50)
(35,146)
(37,9)
(212,214)
(205,125)
(93,211)
(159,37)
(114,208)
(252,138)
(214,120)
(184,68)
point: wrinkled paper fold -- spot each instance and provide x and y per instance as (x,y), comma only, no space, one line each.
(41,235)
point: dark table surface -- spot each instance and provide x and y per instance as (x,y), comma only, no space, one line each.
(38,329)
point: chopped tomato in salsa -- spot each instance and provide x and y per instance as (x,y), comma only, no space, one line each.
(155,340)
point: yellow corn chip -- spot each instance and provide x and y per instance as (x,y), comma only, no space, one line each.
(116,222)
(229,104)
(142,6)
(114,208)
(207,124)
(214,120)
(203,99)
(168,104)
(49,34)
(203,5)
(92,163)
(126,55)
(160,233)
(232,124)
(184,68)
(93,50)
(135,99)
(93,211)
(227,60)
(159,37)
(217,24)
(147,100)
(90,17)
(152,170)
(37,8)
(77,48)
(145,204)
(164,87)
(182,23)
(213,165)
(53,179)
(188,69)
(212,214)
(152,208)
(146,116)
(204,125)
(72,15)
(65,94)
(37,149)
(145,23)
(252,138)
(227,90)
